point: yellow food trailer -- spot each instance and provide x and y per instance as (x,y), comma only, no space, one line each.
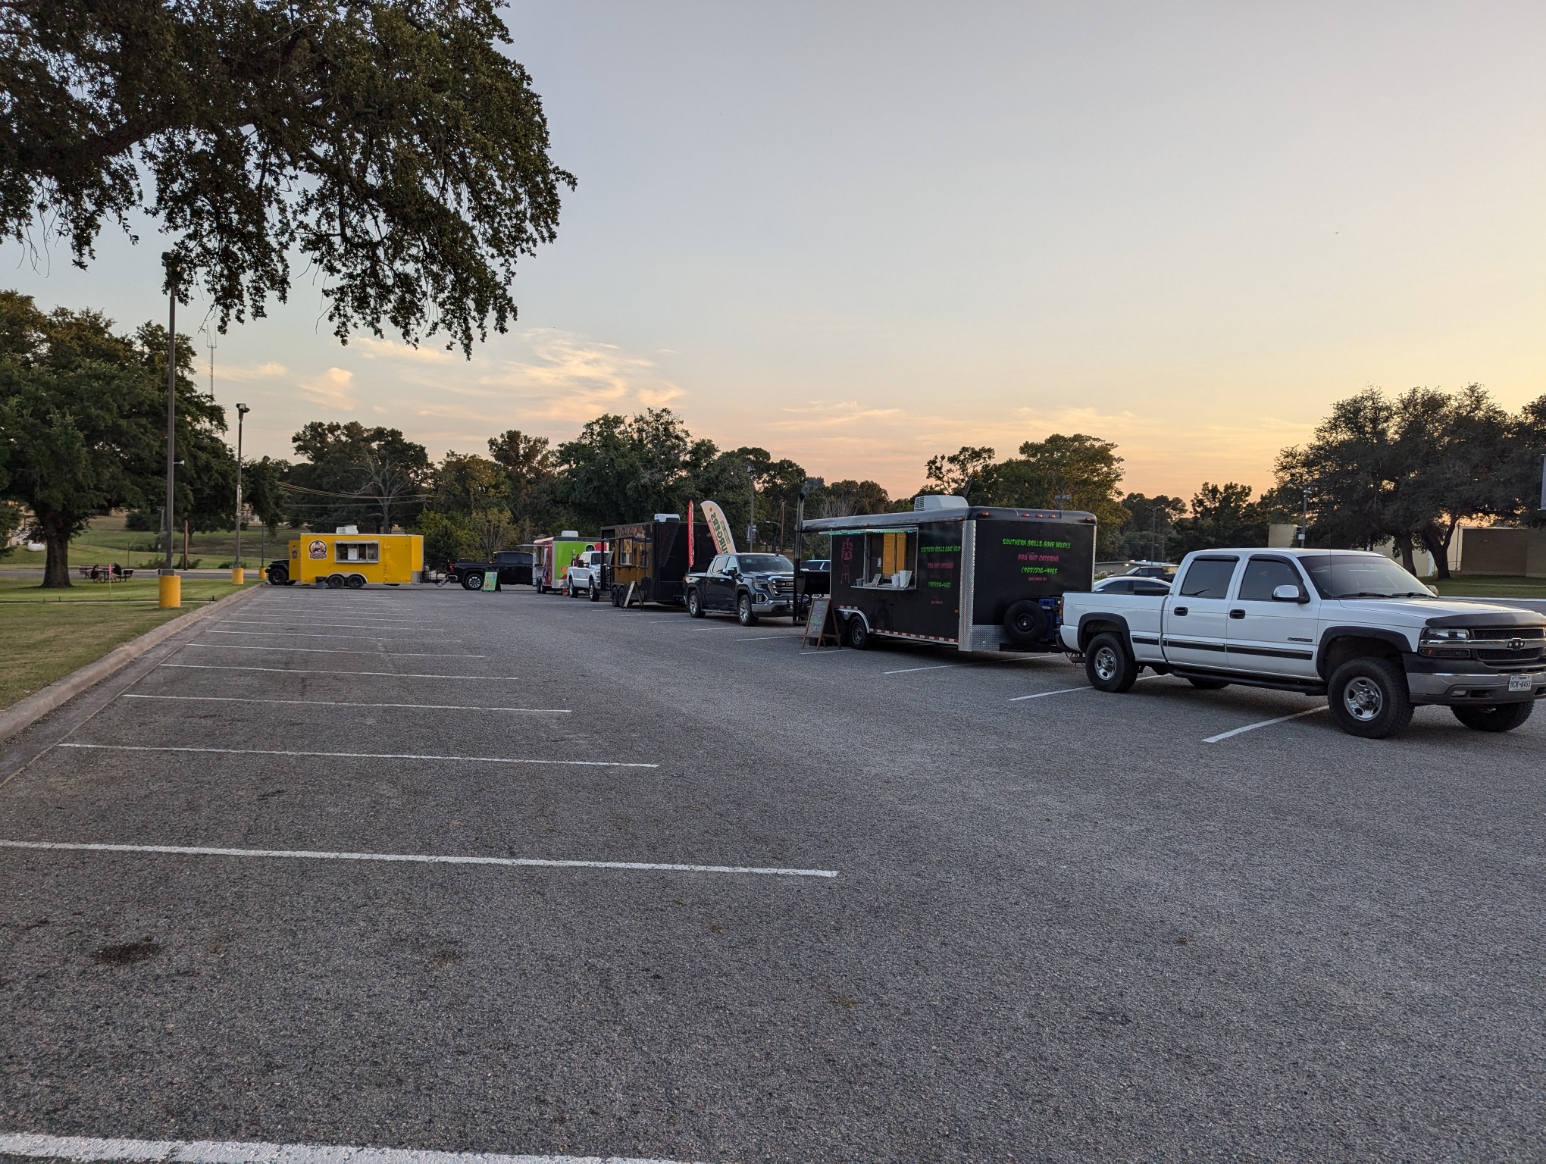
(352,560)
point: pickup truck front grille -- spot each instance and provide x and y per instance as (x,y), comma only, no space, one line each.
(1503,646)
(780,586)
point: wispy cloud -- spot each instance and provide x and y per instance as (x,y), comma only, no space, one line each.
(573,378)
(372,348)
(333,389)
(245,372)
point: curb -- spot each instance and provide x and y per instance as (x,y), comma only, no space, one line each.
(34,707)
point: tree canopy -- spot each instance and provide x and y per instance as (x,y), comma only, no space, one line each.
(390,144)
(83,424)
(353,475)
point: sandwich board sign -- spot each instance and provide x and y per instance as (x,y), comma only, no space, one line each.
(821,625)
(491,579)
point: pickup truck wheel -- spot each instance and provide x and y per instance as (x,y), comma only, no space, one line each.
(694,605)
(1207,684)
(595,592)
(858,633)
(472,581)
(744,612)
(1108,666)
(1501,717)
(1369,698)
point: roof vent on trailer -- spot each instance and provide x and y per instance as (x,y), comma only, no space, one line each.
(568,533)
(347,529)
(668,517)
(938,501)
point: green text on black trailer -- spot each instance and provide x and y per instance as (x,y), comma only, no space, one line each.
(978,578)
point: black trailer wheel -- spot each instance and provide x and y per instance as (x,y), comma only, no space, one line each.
(356,581)
(858,633)
(617,596)
(1025,622)
(743,610)
(1108,666)
(335,581)
(694,604)
(1368,698)
(1500,717)
(1207,684)
(472,581)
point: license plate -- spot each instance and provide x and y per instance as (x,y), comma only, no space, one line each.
(1519,682)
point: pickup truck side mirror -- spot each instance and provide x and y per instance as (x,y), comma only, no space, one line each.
(1289,593)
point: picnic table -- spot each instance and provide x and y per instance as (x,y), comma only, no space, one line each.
(105,573)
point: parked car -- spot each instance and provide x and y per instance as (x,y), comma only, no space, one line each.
(584,575)
(1165,570)
(514,566)
(746,585)
(1132,584)
(1352,626)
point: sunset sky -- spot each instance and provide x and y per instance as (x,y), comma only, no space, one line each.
(861,234)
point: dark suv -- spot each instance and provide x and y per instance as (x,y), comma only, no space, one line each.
(746,585)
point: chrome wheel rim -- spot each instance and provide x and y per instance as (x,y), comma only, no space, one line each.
(1363,699)
(1106,664)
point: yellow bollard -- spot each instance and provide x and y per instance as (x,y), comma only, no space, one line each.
(170,590)
(238,576)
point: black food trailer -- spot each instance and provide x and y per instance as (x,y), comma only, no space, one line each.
(978,578)
(652,557)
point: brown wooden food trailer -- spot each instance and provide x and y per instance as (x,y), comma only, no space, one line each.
(652,557)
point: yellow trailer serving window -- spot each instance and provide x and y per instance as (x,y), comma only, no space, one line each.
(356,551)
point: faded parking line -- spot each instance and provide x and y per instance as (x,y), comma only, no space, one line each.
(338,703)
(357,755)
(1251,727)
(932,667)
(309,671)
(417,859)
(332,651)
(86,1148)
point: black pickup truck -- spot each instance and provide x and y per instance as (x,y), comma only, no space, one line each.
(514,568)
(745,585)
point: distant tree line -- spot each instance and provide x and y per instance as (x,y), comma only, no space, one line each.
(82,432)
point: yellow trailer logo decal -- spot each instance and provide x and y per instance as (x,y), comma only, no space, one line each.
(317,549)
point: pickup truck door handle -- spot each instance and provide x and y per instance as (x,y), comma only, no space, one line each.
(1178,611)
(1237,613)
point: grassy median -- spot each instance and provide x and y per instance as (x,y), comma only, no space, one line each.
(46,634)
(1492,586)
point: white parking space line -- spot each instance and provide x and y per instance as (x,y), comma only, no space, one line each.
(1251,727)
(269,634)
(932,667)
(357,755)
(1066,690)
(231,1152)
(417,858)
(309,671)
(333,651)
(336,625)
(768,638)
(338,703)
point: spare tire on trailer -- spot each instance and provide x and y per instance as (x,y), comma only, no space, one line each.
(472,580)
(1025,622)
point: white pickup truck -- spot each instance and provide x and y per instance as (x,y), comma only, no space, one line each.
(584,575)
(1352,626)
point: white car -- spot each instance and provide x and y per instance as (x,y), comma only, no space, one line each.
(1353,626)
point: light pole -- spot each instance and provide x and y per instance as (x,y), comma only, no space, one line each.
(806,488)
(751,519)
(1304,529)
(169,586)
(237,577)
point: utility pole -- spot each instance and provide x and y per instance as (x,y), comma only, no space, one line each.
(806,488)
(169,585)
(1304,529)
(237,577)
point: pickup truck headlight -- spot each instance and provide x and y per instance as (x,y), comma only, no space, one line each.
(1447,642)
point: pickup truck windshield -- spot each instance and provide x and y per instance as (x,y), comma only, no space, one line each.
(765,563)
(1361,576)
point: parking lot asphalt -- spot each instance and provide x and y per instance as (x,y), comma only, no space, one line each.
(754,903)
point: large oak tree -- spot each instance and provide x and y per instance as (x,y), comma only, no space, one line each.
(389,144)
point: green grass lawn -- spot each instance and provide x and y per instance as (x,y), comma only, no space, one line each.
(106,541)
(46,634)
(1491,586)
